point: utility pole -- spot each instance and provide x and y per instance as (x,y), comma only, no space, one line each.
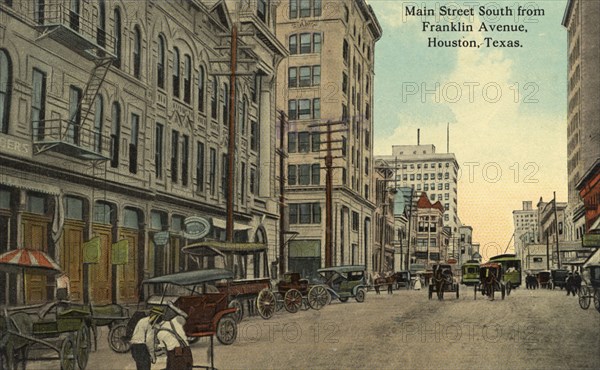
(282,181)
(231,147)
(556,231)
(329,186)
(547,252)
(410,205)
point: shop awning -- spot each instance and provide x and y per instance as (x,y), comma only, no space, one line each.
(222,224)
(38,186)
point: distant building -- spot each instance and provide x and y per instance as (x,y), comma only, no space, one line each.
(525,223)
(583,127)
(431,238)
(435,174)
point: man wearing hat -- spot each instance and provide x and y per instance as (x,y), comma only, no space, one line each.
(142,340)
(171,336)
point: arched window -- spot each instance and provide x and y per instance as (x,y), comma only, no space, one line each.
(101,30)
(187,79)
(214,98)
(118,38)
(5,90)
(225,105)
(98,123)
(176,72)
(115,135)
(160,64)
(137,52)
(201,89)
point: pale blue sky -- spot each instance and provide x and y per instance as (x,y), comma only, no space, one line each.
(503,132)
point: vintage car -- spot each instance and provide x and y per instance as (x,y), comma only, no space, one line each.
(340,282)
(293,291)
(544,279)
(442,280)
(403,279)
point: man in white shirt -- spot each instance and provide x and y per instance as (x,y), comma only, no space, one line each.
(142,340)
(171,336)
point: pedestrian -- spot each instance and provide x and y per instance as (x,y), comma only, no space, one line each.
(63,287)
(576,282)
(376,282)
(171,336)
(417,283)
(569,284)
(390,283)
(142,340)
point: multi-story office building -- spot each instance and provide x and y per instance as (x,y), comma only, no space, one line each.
(432,239)
(583,128)
(525,223)
(328,77)
(435,174)
(114,125)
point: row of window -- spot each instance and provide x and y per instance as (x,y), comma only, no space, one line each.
(305,8)
(304,109)
(305,43)
(426,176)
(304,76)
(304,142)
(180,161)
(304,213)
(304,174)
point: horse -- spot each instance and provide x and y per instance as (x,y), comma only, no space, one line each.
(441,278)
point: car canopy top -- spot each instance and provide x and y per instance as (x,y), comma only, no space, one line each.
(214,248)
(191,277)
(342,269)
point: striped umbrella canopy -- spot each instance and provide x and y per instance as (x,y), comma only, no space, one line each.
(26,259)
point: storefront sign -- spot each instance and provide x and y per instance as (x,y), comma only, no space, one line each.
(161,238)
(10,145)
(196,227)
(591,240)
(120,252)
(91,250)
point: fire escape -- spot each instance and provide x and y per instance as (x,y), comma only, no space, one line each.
(75,135)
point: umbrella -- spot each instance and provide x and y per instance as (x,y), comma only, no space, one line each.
(26,259)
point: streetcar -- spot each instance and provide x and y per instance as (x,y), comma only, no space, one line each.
(511,269)
(470,273)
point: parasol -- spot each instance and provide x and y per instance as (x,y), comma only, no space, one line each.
(37,262)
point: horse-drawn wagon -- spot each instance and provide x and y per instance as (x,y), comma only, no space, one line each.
(591,290)
(443,281)
(490,281)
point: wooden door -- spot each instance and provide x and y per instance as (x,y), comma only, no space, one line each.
(35,237)
(127,275)
(100,274)
(71,256)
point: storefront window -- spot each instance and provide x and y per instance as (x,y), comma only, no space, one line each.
(74,208)
(157,220)
(131,218)
(102,213)
(36,204)
(176,223)
(4,199)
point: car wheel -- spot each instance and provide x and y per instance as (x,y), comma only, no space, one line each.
(227,330)
(360,296)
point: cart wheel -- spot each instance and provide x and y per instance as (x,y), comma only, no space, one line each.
(305,306)
(239,314)
(292,301)
(84,345)
(318,297)
(343,299)
(457,291)
(508,288)
(279,301)
(68,359)
(117,338)
(360,296)
(584,297)
(266,304)
(227,330)
(597,299)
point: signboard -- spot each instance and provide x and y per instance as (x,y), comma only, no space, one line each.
(591,240)
(161,238)
(120,252)
(91,250)
(196,227)
(452,261)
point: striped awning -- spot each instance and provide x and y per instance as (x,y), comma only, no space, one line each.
(27,259)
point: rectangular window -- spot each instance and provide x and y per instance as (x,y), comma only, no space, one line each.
(316,141)
(317,8)
(292,77)
(305,43)
(185,159)
(316,174)
(174,156)
(200,167)
(317,108)
(158,150)
(261,10)
(304,8)
(293,214)
(133,144)
(292,110)
(305,79)
(243,182)
(36,204)
(74,207)
(253,184)
(316,75)
(212,170)
(305,210)
(253,135)
(293,9)
(74,115)
(292,142)
(293,44)
(38,104)
(354,221)
(292,174)
(224,170)
(304,109)
(303,142)
(317,42)
(304,174)
(345,83)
